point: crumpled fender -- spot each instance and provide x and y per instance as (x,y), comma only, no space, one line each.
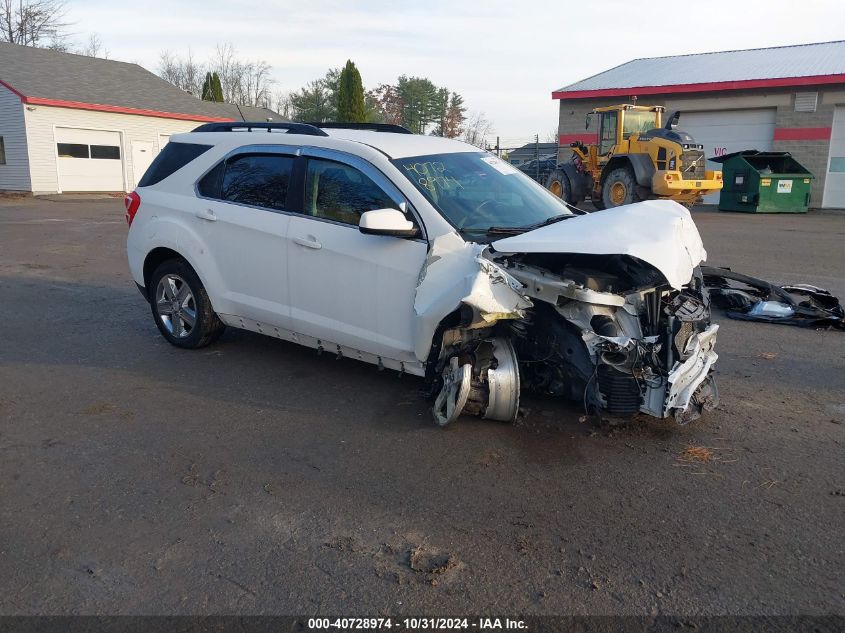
(457,272)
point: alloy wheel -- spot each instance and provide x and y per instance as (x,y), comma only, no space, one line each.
(176,306)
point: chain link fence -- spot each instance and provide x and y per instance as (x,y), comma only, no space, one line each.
(533,157)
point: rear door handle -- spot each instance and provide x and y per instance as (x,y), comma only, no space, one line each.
(206,214)
(308,242)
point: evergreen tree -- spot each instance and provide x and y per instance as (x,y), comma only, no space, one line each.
(212,90)
(350,96)
(217,87)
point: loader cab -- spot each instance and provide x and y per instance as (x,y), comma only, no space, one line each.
(616,124)
(607,122)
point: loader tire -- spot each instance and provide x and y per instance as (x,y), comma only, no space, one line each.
(558,183)
(619,187)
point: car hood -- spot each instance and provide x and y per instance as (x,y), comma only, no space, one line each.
(659,232)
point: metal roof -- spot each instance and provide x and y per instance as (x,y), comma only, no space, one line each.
(40,75)
(708,70)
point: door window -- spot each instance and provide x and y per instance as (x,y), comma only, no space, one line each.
(338,192)
(607,138)
(109,152)
(72,150)
(260,180)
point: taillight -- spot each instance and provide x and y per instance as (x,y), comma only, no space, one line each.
(132,201)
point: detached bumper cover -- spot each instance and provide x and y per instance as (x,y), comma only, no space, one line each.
(688,375)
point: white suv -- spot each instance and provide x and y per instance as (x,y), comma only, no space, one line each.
(428,256)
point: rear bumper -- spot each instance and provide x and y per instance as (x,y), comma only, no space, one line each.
(670,183)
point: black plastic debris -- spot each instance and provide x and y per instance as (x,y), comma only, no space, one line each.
(751,299)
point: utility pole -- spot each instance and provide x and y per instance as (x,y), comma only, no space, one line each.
(498,148)
(537,157)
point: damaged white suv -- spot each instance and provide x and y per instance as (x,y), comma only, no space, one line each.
(427,256)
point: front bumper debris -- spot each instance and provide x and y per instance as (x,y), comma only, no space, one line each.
(687,376)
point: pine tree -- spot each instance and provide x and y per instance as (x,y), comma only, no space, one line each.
(350,96)
(217,87)
(212,90)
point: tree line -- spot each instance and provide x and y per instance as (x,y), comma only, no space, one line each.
(413,102)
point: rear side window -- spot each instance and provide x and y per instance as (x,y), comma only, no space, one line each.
(172,158)
(260,180)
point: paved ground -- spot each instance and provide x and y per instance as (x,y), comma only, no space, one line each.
(257,477)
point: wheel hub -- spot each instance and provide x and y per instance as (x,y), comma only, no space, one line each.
(617,193)
(450,402)
(175,306)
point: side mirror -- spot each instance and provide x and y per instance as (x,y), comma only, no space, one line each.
(588,119)
(387,222)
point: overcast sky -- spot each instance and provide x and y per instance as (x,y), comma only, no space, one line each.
(505,58)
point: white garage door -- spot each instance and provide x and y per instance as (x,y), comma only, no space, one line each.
(727,131)
(89,160)
(834,184)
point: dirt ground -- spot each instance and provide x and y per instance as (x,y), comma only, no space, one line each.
(254,476)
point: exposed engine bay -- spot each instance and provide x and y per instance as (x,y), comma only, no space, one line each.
(618,333)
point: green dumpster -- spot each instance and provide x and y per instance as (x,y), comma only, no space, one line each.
(763,182)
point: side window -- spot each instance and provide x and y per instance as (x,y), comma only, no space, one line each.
(209,185)
(261,180)
(341,193)
(607,138)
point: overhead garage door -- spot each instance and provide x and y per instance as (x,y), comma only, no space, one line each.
(726,131)
(89,160)
(834,184)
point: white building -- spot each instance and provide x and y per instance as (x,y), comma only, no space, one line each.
(75,123)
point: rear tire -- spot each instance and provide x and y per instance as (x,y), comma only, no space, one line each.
(619,187)
(558,183)
(181,308)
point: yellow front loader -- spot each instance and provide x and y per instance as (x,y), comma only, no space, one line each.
(634,159)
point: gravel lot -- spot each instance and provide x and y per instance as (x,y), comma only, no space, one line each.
(255,476)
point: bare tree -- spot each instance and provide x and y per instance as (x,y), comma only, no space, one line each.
(551,136)
(283,104)
(476,129)
(243,82)
(255,84)
(31,22)
(225,64)
(184,73)
(94,47)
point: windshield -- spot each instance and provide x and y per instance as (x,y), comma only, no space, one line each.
(637,122)
(477,191)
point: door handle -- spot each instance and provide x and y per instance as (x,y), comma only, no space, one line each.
(206,214)
(308,242)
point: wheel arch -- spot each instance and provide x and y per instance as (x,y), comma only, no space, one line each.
(640,164)
(155,258)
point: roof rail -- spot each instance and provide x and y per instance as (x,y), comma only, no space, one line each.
(249,126)
(372,127)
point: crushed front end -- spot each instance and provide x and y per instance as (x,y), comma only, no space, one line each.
(608,331)
(608,309)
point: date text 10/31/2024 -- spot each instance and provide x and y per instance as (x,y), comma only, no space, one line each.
(417,624)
